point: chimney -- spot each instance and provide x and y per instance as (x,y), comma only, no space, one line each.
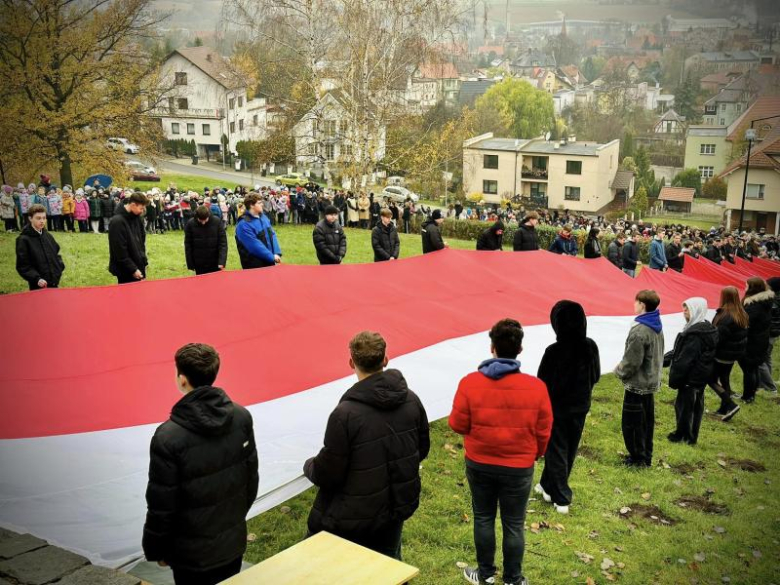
(208,57)
(556,146)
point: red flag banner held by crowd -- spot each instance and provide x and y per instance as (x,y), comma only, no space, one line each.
(754,268)
(708,271)
(75,425)
(773,268)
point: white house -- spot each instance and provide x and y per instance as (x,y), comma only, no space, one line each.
(209,100)
(325,135)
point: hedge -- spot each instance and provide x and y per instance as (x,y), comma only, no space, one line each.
(471,229)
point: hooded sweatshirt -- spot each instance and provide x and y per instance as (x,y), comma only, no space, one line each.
(643,357)
(571,366)
(202,481)
(492,238)
(693,356)
(368,469)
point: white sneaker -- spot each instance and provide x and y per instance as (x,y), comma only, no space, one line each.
(561,509)
(540,490)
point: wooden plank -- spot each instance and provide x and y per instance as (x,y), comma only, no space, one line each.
(325,559)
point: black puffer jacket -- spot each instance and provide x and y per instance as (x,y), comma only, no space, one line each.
(526,239)
(732,339)
(431,237)
(385,242)
(693,356)
(759,310)
(774,285)
(202,482)
(571,366)
(630,255)
(714,254)
(108,206)
(592,248)
(330,241)
(492,238)
(673,257)
(126,243)
(205,246)
(38,257)
(368,470)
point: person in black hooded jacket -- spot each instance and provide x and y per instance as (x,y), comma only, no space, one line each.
(492,238)
(384,238)
(758,303)
(732,323)
(205,242)
(202,477)
(368,469)
(431,233)
(526,239)
(691,364)
(592,248)
(765,372)
(570,368)
(329,238)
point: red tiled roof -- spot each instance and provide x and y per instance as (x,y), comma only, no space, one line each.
(214,65)
(763,107)
(438,71)
(497,49)
(684,194)
(759,159)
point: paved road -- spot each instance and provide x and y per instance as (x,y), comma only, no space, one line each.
(229,178)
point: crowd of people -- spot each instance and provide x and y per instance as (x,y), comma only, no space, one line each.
(203,473)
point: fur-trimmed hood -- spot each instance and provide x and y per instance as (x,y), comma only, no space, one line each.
(767,295)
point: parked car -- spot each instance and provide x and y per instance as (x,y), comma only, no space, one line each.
(123,144)
(399,194)
(141,172)
(291,179)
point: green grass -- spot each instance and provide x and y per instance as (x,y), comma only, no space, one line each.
(185,183)
(86,255)
(439,535)
(700,222)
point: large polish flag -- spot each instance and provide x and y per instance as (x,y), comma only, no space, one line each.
(88,373)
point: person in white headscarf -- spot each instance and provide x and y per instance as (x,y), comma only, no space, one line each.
(691,364)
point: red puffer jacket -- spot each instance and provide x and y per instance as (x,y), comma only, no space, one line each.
(505,421)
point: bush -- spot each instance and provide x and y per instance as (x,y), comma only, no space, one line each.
(715,188)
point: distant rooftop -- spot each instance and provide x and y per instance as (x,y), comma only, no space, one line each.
(538,146)
(729,56)
(705,130)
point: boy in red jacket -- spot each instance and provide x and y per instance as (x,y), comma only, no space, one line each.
(506,420)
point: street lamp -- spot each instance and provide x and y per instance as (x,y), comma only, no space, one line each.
(750,136)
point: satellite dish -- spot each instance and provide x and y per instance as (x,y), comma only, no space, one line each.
(547,137)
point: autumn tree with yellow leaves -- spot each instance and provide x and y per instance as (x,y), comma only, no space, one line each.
(72,74)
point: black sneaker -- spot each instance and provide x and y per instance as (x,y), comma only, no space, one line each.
(729,414)
(471,574)
(674,437)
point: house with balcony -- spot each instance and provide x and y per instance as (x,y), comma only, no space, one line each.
(567,174)
(208,100)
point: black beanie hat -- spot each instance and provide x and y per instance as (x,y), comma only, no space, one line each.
(436,214)
(331,209)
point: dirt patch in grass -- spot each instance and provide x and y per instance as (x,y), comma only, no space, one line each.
(588,453)
(688,468)
(650,513)
(745,464)
(702,504)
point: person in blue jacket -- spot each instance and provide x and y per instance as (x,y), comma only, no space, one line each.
(565,243)
(658,253)
(255,238)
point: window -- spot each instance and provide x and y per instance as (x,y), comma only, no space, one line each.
(206,130)
(182,104)
(347,149)
(330,128)
(232,104)
(490,187)
(174,127)
(490,161)
(754,191)
(240,124)
(254,120)
(330,152)
(538,189)
(739,107)
(191,129)
(181,78)
(240,101)
(722,108)
(171,103)
(232,127)
(706,172)
(707,149)
(572,194)
(723,121)
(573,167)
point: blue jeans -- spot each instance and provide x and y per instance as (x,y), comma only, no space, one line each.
(631,273)
(490,489)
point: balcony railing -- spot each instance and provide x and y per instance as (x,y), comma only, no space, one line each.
(527,173)
(206,113)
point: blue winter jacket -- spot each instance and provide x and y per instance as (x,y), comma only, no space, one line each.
(216,210)
(657,255)
(563,245)
(256,241)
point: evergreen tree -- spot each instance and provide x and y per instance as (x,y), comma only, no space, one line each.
(686,100)
(639,202)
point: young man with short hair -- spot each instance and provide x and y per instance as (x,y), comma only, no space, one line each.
(658,259)
(615,250)
(640,372)
(368,471)
(205,242)
(38,258)
(255,238)
(202,477)
(127,240)
(384,238)
(431,233)
(631,255)
(330,241)
(506,418)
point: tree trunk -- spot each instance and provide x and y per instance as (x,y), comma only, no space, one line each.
(66,174)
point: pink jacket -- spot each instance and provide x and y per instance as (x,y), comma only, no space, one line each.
(82,210)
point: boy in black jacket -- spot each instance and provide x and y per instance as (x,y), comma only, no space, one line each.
(570,368)
(692,361)
(202,477)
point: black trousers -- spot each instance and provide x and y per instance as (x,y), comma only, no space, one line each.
(83,226)
(721,384)
(638,426)
(128,278)
(560,456)
(386,541)
(68,221)
(210,577)
(10,224)
(206,270)
(750,379)
(689,408)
